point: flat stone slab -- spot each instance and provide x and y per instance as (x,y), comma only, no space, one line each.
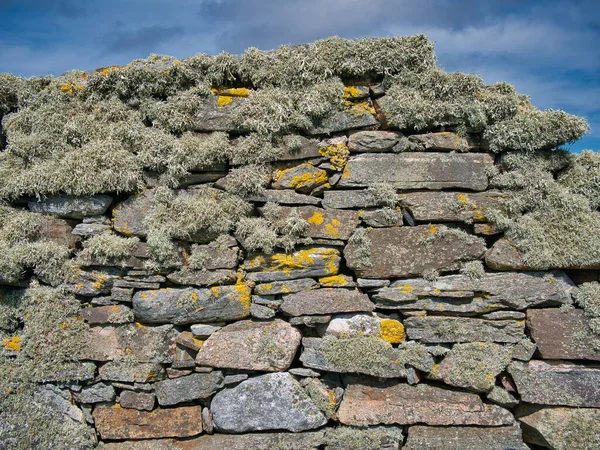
(203,277)
(325,301)
(184,306)
(302,178)
(142,401)
(123,423)
(107,314)
(323,223)
(442,329)
(285,287)
(465,295)
(373,141)
(444,141)
(274,401)
(302,148)
(284,197)
(217,114)
(556,383)
(97,393)
(562,334)
(189,388)
(505,256)
(218,256)
(131,372)
(354,199)
(341,121)
(128,216)
(369,402)
(418,170)
(71,207)
(302,263)
(465,438)
(409,251)
(248,345)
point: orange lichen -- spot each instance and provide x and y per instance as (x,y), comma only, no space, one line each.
(71,87)
(352,92)
(361,108)
(332,228)
(406,288)
(337,154)
(333,281)
(392,331)
(433,229)
(13,343)
(308,179)
(244,291)
(316,218)
(224,100)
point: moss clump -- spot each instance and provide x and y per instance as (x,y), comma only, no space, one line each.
(588,297)
(248,180)
(384,194)
(582,176)
(473,269)
(361,251)
(106,249)
(255,148)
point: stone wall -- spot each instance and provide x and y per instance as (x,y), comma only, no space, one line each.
(397,317)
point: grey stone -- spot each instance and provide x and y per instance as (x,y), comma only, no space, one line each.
(309,321)
(184,306)
(296,147)
(504,255)
(217,256)
(90,229)
(465,438)
(323,223)
(261,312)
(504,315)
(284,197)
(524,350)
(502,397)
(325,301)
(137,400)
(444,141)
(418,170)
(367,283)
(441,329)
(96,393)
(128,216)
(71,207)
(235,379)
(203,277)
(274,401)
(186,389)
(107,314)
(247,345)
(303,372)
(217,114)
(391,251)
(371,438)
(341,121)
(303,178)
(285,287)
(354,199)
(121,294)
(557,383)
(207,421)
(387,217)
(135,284)
(127,371)
(373,141)
(92,283)
(465,295)
(204,330)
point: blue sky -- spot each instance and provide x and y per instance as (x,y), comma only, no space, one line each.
(549,49)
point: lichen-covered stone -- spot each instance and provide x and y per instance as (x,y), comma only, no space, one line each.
(563,334)
(97,393)
(373,141)
(203,277)
(131,372)
(248,345)
(354,199)
(418,170)
(325,301)
(370,402)
(274,401)
(71,207)
(302,263)
(284,197)
(505,256)
(460,329)
(128,216)
(219,256)
(389,330)
(141,401)
(408,251)
(285,287)
(355,117)
(323,223)
(371,438)
(465,438)
(444,141)
(557,383)
(303,148)
(217,114)
(303,178)
(123,423)
(189,388)
(183,306)
(383,218)
(107,314)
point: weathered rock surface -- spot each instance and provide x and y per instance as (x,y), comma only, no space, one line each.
(217,114)
(219,256)
(345,325)
(444,141)
(131,372)
(285,197)
(325,301)
(302,263)
(386,217)
(203,277)
(349,199)
(560,428)
(303,178)
(372,438)
(107,314)
(460,329)
(97,393)
(185,389)
(369,402)
(341,121)
(123,423)
(505,256)
(556,383)
(137,400)
(465,438)
(183,306)
(128,216)
(323,223)
(418,170)
(247,345)
(373,141)
(464,295)
(409,251)
(452,206)
(285,287)
(71,207)
(296,147)
(268,402)
(562,334)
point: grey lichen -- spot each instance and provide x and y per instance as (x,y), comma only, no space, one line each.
(362,247)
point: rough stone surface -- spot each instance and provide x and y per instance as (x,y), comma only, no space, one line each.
(213,115)
(123,423)
(369,402)
(562,334)
(325,301)
(324,223)
(557,383)
(203,277)
(465,438)
(189,388)
(285,287)
(392,251)
(126,371)
(268,402)
(372,438)
(383,218)
(97,393)
(248,345)
(459,329)
(303,178)
(204,330)
(349,199)
(504,256)
(71,207)
(373,141)
(128,216)
(284,197)
(444,141)
(107,314)
(303,148)
(418,170)
(183,306)
(341,121)
(218,256)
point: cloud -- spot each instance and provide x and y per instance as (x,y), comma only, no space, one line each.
(143,40)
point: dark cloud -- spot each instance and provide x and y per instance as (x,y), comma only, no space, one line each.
(141,41)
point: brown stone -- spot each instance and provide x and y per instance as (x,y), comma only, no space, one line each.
(505,256)
(325,301)
(107,314)
(562,334)
(440,329)
(408,251)
(324,223)
(247,345)
(137,400)
(369,402)
(121,423)
(465,438)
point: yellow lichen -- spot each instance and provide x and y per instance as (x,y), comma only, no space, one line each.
(337,155)
(224,100)
(392,331)
(244,291)
(309,179)
(332,228)
(406,288)
(71,87)
(13,343)
(361,108)
(316,218)
(352,92)
(334,280)
(433,229)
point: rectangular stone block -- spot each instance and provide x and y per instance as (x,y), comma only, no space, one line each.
(460,329)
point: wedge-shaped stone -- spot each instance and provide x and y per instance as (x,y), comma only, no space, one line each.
(325,301)
(128,216)
(493,291)
(355,117)
(131,372)
(217,114)
(186,389)
(562,334)
(408,251)
(452,206)
(274,401)
(183,306)
(354,199)
(203,277)
(302,178)
(465,438)
(123,423)
(560,428)
(323,223)
(370,402)
(285,287)
(461,329)
(72,207)
(556,383)
(247,345)
(302,263)
(444,141)
(418,170)
(373,141)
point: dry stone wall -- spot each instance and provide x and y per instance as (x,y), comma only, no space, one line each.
(399,316)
